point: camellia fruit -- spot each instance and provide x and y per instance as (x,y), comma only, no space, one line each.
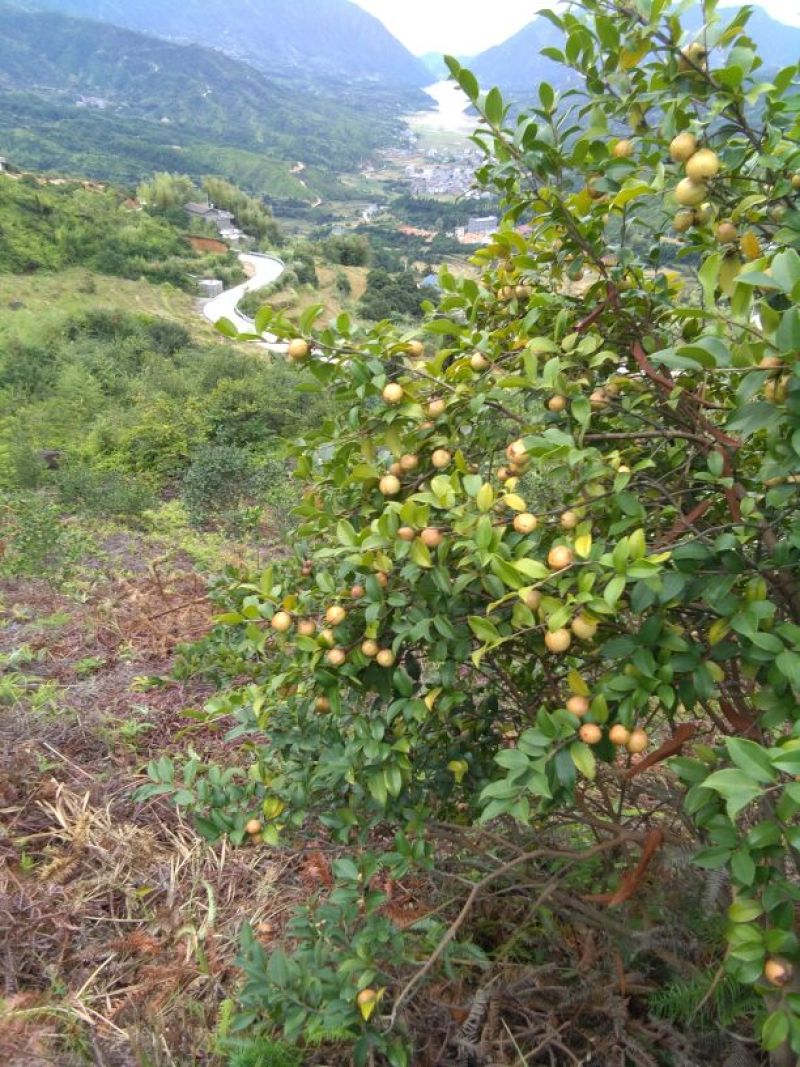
(415,349)
(281,621)
(559,557)
(322,705)
(306,627)
(525,523)
(557,403)
(622,149)
(406,533)
(683,147)
(727,234)
(577,705)
(583,628)
(533,599)
(778,972)
(298,350)
(385,658)
(253,827)
(431,537)
(395,469)
(336,657)
(637,742)
(598,399)
(367,1001)
(327,637)
(690,193)
(389,485)
(569,520)
(436,407)
(590,733)
(702,165)
(440,458)
(382,579)
(409,461)
(357,591)
(478,361)
(517,451)
(683,221)
(619,735)
(558,640)
(370,648)
(392,393)
(335,615)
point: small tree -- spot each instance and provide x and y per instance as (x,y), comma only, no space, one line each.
(558,546)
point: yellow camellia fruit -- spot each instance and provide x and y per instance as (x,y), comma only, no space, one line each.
(569,520)
(336,657)
(431,537)
(682,221)
(306,627)
(683,147)
(583,628)
(778,972)
(637,742)
(440,458)
(327,637)
(727,234)
(392,393)
(385,658)
(409,461)
(357,591)
(702,165)
(253,827)
(622,149)
(598,399)
(406,533)
(577,705)
(558,640)
(618,735)
(367,1001)
(335,615)
(557,403)
(478,361)
(370,648)
(389,485)
(559,557)
(436,407)
(590,733)
(516,451)
(281,621)
(322,705)
(525,523)
(690,193)
(298,350)
(415,349)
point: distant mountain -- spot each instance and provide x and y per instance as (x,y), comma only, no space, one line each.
(517,64)
(331,37)
(92,75)
(435,64)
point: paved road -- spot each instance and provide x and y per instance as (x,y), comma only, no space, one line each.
(266,269)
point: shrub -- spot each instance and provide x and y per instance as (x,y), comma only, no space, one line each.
(219,480)
(610,661)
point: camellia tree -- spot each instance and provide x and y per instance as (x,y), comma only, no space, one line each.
(550,553)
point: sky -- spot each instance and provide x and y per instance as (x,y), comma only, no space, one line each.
(467,27)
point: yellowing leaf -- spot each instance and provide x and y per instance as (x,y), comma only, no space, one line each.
(431,697)
(576,684)
(485,497)
(717,630)
(289,603)
(630,57)
(272,807)
(458,768)
(515,502)
(583,546)
(716,672)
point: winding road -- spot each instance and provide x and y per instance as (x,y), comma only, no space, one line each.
(265,270)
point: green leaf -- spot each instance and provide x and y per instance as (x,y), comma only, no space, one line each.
(775,1030)
(493,106)
(751,758)
(736,790)
(584,759)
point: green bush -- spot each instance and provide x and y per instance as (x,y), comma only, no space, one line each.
(103,493)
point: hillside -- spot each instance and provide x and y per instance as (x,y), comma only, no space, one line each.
(330,37)
(517,63)
(70,84)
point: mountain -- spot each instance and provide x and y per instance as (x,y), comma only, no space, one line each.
(435,64)
(71,88)
(517,64)
(330,37)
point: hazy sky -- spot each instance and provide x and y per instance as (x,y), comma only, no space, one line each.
(466,27)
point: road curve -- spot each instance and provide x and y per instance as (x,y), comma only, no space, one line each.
(266,269)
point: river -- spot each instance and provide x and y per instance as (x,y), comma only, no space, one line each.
(449,116)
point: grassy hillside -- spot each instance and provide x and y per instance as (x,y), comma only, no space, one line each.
(50,227)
